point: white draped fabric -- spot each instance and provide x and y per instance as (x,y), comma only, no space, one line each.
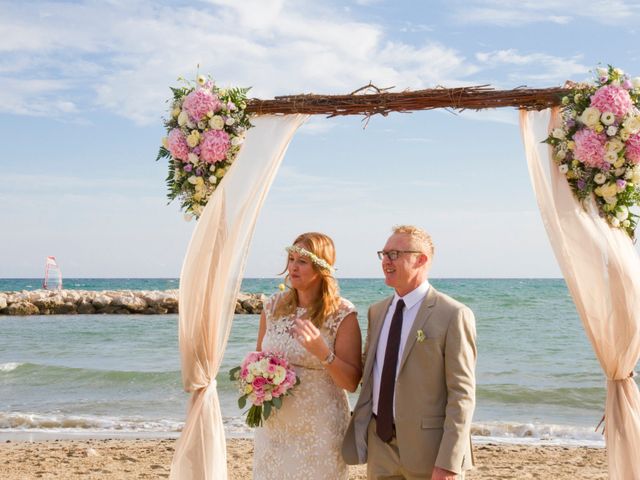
(209,283)
(602,270)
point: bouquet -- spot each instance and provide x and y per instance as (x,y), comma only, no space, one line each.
(597,148)
(205,130)
(264,378)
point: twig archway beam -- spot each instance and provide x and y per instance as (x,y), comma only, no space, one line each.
(382,102)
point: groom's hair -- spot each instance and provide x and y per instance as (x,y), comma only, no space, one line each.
(419,238)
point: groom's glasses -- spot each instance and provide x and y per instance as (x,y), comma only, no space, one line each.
(394,254)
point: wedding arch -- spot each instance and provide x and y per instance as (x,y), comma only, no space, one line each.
(599,263)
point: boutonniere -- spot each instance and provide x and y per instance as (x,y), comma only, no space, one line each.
(420,336)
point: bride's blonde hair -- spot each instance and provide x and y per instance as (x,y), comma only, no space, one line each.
(328,302)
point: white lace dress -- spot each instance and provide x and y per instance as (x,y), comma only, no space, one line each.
(303,439)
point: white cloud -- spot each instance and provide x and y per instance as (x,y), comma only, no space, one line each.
(122,57)
(513,13)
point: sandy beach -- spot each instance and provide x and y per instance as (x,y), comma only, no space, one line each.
(151,458)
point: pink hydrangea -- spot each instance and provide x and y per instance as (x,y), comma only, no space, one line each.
(200,102)
(214,146)
(177,145)
(611,98)
(589,147)
(632,151)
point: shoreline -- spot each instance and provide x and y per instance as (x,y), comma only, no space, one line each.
(151,458)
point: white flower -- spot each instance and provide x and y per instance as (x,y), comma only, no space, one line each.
(618,71)
(608,118)
(183,118)
(619,172)
(610,156)
(216,122)
(625,134)
(611,200)
(615,222)
(563,169)
(192,179)
(626,224)
(235,141)
(590,117)
(558,133)
(628,174)
(600,178)
(602,72)
(193,158)
(632,124)
(201,79)
(622,213)
(213,179)
(175,112)
(230,121)
(614,144)
(635,81)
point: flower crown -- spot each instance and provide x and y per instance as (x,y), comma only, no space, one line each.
(319,262)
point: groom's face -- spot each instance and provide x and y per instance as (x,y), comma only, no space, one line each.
(406,272)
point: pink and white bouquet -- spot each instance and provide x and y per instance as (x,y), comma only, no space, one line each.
(205,130)
(597,148)
(264,378)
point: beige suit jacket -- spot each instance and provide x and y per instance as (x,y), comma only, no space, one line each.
(435,388)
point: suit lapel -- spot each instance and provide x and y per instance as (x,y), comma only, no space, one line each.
(419,323)
(377,320)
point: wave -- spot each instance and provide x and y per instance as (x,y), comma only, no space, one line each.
(536,433)
(58,374)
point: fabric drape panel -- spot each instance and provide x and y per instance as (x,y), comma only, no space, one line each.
(602,270)
(209,284)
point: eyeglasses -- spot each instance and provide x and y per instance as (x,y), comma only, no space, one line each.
(394,254)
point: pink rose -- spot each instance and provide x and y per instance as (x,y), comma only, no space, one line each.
(214,146)
(200,102)
(589,147)
(611,98)
(632,151)
(177,145)
(259,383)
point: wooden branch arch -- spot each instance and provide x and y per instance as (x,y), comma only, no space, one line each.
(383,102)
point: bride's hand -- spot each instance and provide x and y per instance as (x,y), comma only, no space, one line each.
(309,337)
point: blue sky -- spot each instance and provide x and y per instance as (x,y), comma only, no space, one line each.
(83,86)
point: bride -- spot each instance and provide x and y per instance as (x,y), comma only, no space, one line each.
(318,331)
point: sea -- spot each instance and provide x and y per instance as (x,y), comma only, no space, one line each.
(61,376)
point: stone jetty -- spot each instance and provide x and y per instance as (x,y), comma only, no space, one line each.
(70,302)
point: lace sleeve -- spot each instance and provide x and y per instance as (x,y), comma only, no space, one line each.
(269,306)
(333,323)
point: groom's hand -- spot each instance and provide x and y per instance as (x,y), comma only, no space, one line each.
(442,474)
(310,338)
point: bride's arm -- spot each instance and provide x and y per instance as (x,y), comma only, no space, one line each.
(346,369)
(261,329)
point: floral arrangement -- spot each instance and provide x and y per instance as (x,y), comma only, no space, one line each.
(264,379)
(205,130)
(597,148)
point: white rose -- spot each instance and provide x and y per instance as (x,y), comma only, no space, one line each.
(618,71)
(619,172)
(183,118)
(615,222)
(230,121)
(193,158)
(235,141)
(610,156)
(608,118)
(622,213)
(626,224)
(602,72)
(632,124)
(213,179)
(590,117)
(625,134)
(614,144)
(192,179)
(635,81)
(216,122)
(599,178)
(563,169)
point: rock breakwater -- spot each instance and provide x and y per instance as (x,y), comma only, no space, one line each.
(70,302)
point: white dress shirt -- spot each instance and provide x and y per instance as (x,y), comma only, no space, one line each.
(412,302)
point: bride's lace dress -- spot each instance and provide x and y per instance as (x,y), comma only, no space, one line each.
(302,440)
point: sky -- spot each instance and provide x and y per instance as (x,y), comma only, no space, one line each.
(83,91)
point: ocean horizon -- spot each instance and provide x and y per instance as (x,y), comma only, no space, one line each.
(114,375)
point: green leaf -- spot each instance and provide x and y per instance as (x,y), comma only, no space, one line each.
(233,373)
(266,410)
(277,402)
(242,401)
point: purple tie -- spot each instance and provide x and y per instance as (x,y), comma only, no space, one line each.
(384,420)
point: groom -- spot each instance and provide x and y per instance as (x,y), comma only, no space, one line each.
(413,417)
